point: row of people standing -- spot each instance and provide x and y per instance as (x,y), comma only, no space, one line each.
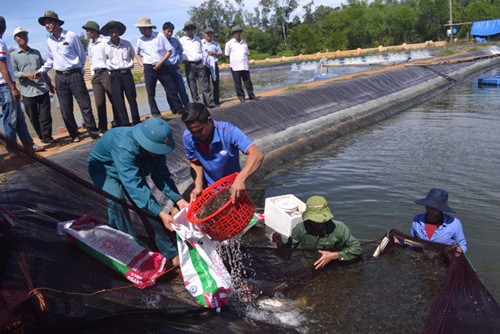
(111,62)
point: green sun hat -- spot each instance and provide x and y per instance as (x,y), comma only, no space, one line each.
(154,135)
(49,14)
(92,25)
(236,29)
(317,210)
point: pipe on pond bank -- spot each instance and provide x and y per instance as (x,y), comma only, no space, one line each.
(289,125)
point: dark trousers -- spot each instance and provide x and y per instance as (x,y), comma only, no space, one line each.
(38,111)
(122,82)
(195,73)
(102,87)
(215,83)
(181,88)
(69,86)
(238,76)
(164,75)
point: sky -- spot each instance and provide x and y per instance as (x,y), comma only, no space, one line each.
(25,13)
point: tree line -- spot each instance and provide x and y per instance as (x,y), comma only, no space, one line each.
(271,31)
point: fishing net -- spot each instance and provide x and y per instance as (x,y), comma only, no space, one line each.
(49,285)
(413,286)
(46,276)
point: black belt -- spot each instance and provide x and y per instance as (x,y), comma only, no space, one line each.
(195,62)
(68,72)
(100,70)
(123,71)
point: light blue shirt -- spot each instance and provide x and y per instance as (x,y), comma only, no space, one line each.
(212,46)
(449,232)
(5,57)
(64,53)
(124,160)
(176,56)
(223,158)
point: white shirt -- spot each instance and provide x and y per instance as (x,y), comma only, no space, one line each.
(97,55)
(153,49)
(238,54)
(191,48)
(64,53)
(119,57)
(5,56)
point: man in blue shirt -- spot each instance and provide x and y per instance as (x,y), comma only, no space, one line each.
(174,61)
(119,164)
(213,148)
(435,225)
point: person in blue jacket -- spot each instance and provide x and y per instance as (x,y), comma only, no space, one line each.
(435,225)
(119,164)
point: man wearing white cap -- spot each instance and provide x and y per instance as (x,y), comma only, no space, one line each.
(153,50)
(10,108)
(34,92)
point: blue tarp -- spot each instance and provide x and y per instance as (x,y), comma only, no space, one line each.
(486,28)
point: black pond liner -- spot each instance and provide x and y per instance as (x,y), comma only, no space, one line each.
(49,285)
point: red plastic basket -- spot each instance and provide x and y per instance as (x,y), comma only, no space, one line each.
(228,220)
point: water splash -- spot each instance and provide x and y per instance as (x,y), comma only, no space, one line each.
(368,60)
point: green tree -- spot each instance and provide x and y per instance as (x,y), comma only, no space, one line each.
(305,38)
(354,18)
(84,40)
(308,17)
(433,15)
(332,29)
(480,10)
(263,42)
(276,15)
(218,15)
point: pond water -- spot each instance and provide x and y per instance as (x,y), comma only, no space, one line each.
(372,176)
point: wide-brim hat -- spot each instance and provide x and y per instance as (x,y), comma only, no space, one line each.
(145,22)
(189,24)
(437,199)
(50,14)
(317,210)
(154,135)
(236,29)
(92,25)
(113,24)
(19,30)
